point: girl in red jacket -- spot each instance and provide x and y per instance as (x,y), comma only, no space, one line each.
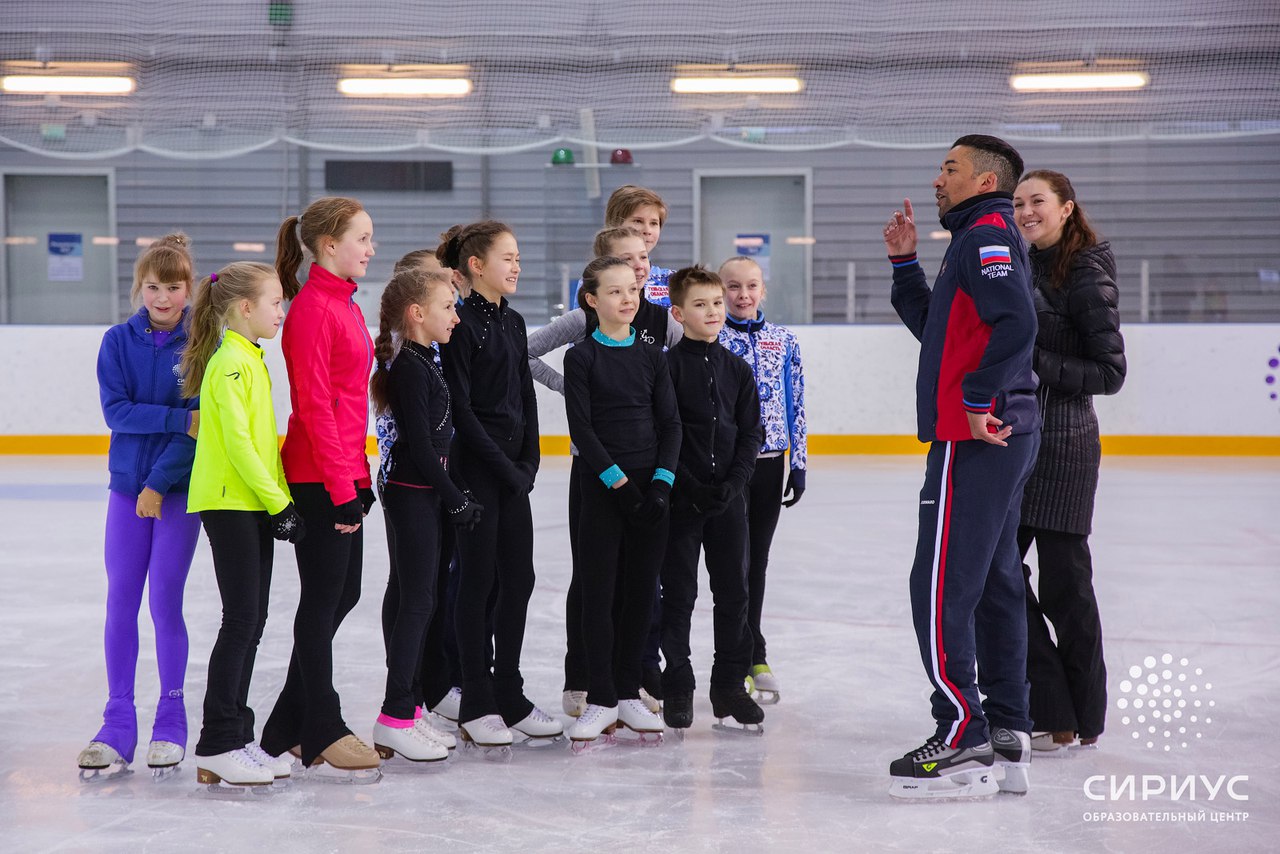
(329,354)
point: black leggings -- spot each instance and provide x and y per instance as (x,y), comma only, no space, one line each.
(764,503)
(308,711)
(497,553)
(414,538)
(242,558)
(619,564)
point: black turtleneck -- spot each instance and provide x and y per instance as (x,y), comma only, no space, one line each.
(720,411)
(421,404)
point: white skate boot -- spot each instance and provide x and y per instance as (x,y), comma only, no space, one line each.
(450,706)
(232,773)
(281,767)
(594,728)
(637,717)
(410,743)
(935,770)
(538,729)
(101,762)
(574,703)
(763,686)
(440,736)
(1013,757)
(489,734)
(163,758)
(1052,745)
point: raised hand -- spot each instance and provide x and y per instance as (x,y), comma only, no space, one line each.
(900,233)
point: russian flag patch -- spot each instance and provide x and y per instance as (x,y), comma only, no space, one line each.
(993,255)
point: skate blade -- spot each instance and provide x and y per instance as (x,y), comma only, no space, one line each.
(677,732)
(962,785)
(160,773)
(101,776)
(536,742)
(487,752)
(397,763)
(1013,778)
(637,738)
(225,791)
(581,747)
(766,698)
(1060,752)
(737,728)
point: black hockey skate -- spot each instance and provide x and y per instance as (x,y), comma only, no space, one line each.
(935,770)
(733,701)
(677,713)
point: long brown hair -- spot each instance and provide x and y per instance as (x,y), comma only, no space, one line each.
(214,299)
(412,286)
(1077,234)
(326,217)
(168,260)
(461,243)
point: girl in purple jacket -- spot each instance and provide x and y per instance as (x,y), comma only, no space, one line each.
(150,537)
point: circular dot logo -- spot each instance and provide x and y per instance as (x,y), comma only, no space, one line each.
(1273,363)
(1165,703)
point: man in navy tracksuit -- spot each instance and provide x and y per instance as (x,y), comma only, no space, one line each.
(975,402)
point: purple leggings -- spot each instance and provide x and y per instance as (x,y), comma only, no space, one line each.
(139,551)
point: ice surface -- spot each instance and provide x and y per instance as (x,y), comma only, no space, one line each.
(1187,557)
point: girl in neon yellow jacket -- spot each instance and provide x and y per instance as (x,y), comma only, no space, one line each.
(238,487)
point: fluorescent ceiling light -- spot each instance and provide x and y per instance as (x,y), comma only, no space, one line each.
(105,240)
(736,84)
(801,241)
(58,84)
(249,247)
(404,81)
(1094,81)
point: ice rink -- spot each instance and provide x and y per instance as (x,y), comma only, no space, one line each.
(1187,559)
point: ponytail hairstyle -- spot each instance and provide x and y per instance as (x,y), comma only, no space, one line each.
(166,260)
(326,217)
(411,286)
(461,243)
(591,284)
(606,237)
(215,298)
(1077,234)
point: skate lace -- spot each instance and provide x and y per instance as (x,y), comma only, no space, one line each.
(540,716)
(592,714)
(257,754)
(929,749)
(245,759)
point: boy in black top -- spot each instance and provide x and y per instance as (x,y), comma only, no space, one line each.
(720,414)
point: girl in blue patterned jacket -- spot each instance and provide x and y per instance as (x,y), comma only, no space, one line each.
(773,353)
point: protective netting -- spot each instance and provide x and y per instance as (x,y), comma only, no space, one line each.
(217,78)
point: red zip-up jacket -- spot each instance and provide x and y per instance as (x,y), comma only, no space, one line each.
(329,356)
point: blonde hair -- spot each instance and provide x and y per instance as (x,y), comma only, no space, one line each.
(327,217)
(741,259)
(606,237)
(215,297)
(166,260)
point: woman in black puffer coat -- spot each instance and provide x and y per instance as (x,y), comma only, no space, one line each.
(1079,353)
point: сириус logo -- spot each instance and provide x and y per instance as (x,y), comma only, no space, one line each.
(1165,703)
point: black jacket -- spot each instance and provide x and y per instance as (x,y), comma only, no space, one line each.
(495,412)
(720,411)
(1079,352)
(422,407)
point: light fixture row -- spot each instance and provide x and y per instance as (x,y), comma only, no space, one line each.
(365,81)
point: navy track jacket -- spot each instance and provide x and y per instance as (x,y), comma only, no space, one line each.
(977,327)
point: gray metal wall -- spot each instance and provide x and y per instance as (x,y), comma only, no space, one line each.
(1204,215)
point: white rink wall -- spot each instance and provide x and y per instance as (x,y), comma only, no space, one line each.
(1184,380)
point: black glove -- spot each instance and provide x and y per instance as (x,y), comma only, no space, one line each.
(699,496)
(654,506)
(367,499)
(351,513)
(522,482)
(466,515)
(721,497)
(795,487)
(628,497)
(287,525)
